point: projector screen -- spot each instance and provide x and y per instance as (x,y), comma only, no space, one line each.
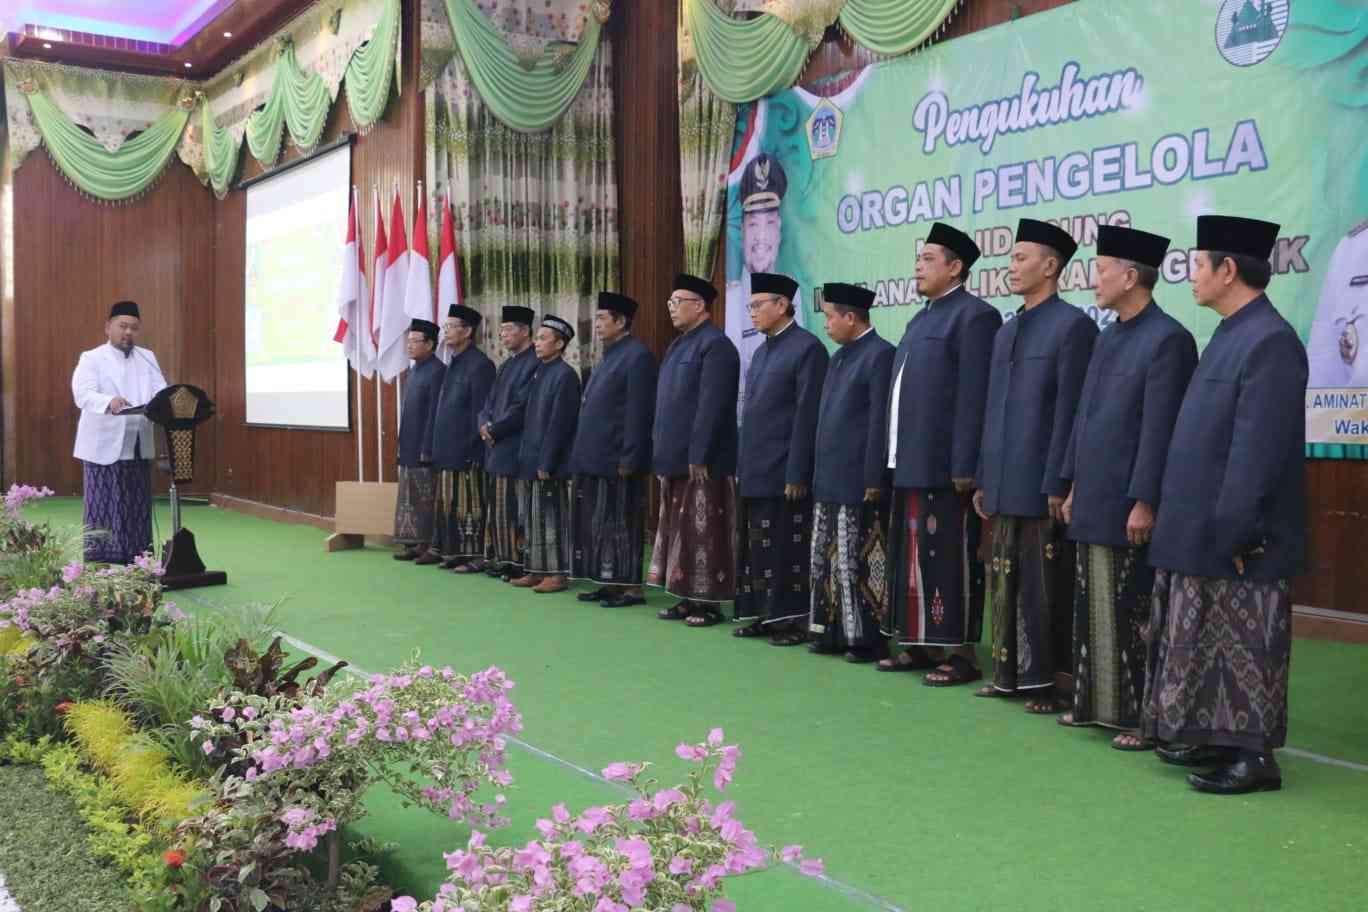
(297,376)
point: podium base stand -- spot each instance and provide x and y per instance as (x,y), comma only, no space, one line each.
(184,569)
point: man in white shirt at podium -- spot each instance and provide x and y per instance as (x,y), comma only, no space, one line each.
(115,447)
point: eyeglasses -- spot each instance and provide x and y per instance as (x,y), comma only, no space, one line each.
(754,304)
(676,303)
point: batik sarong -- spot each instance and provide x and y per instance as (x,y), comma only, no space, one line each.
(609,520)
(504,537)
(1031,587)
(936,579)
(1112,590)
(459,514)
(849,571)
(1220,652)
(547,526)
(694,556)
(413,509)
(772,568)
(118,507)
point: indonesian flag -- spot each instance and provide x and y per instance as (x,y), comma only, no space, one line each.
(394,321)
(352,298)
(448,271)
(377,301)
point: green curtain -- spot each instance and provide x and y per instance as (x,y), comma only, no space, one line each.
(94,169)
(371,71)
(528,99)
(706,125)
(893,27)
(220,154)
(743,59)
(299,101)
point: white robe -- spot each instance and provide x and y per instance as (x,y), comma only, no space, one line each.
(101,374)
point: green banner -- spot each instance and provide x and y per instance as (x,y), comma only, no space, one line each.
(1095,113)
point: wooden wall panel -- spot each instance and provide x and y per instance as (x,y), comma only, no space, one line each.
(74,258)
(298,469)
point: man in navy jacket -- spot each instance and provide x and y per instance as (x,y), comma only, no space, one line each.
(544,459)
(501,425)
(1231,527)
(849,483)
(1039,361)
(935,425)
(693,454)
(774,467)
(457,453)
(417,488)
(611,460)
(1136,379)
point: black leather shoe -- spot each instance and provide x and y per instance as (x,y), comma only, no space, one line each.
(495,570)
(1250,772)
(407,554)
(821,648)
(623,601)
(1193,755)
(597,595)
(428,559)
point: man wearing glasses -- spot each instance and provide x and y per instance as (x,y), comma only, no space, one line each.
(775,463)
(694,459)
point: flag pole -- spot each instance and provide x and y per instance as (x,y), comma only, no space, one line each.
(399,377)
(379,381)
(356,336)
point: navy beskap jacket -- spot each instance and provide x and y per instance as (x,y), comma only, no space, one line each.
(779,416)
(1235,478)
(1040,358)
(944,359)
(852,421)
(549,427)
(616,412)
(456,443)
(418,412)
(1135,384)
(695,416)
(503,411)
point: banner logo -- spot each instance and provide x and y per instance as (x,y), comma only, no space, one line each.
(824,129)
(1248,31)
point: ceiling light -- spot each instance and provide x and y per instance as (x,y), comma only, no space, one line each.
(227,34)
(187,64)
(47,46)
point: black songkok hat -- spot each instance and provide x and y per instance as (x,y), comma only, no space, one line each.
(773,283)
(1037,232)
(701,287)
(848,295)
(514,314)
(1131,244)
(426,327)
(617,303)
(953,239)
(467,315)
(1232,234)
(559,325)
(125,309)
(763,184)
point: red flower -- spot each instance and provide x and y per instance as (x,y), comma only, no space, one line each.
(174,858)
(63,708)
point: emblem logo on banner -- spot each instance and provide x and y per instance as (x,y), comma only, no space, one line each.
(824,129)
(1248,31)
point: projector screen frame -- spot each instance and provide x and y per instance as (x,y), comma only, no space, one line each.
(346,139)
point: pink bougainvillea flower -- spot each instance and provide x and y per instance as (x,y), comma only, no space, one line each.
(812,867)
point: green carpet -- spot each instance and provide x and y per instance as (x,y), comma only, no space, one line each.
(925,798)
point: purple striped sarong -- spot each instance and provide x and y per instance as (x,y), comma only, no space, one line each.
(118,508)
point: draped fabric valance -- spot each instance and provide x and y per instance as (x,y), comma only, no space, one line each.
(744,59)
(112,134)
(526,58)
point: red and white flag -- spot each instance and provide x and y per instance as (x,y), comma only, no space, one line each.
(394,321)
(377,301)
(418,294)
(448,267)
(353,302)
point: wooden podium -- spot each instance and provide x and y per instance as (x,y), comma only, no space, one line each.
(363,508)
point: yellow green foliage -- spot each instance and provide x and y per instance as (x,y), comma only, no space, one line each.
(142,774)
(13,642)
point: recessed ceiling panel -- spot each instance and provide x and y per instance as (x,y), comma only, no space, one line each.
(162,21)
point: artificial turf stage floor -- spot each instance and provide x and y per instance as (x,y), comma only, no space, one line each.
(916,798)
